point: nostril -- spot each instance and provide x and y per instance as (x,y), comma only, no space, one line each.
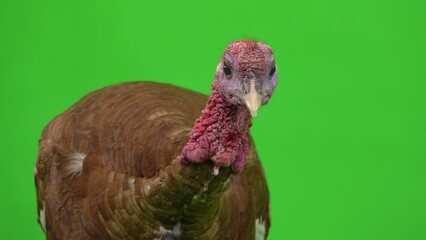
(246,88)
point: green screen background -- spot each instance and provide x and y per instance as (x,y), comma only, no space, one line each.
(342,140)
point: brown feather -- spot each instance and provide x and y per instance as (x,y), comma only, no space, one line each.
(128,137)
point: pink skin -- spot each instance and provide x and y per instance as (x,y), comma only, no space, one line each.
(221,133)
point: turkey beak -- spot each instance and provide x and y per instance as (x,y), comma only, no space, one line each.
(252,99)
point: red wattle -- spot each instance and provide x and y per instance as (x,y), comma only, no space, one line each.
(220,134)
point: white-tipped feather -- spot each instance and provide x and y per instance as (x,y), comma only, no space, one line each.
(74,164)
(42,217)
(131,182)
(260,229)
(216,170)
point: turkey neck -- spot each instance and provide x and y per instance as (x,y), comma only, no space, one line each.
(186,194)
(187,191)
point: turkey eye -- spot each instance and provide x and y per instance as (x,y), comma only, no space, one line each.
(227,69)
(272,71)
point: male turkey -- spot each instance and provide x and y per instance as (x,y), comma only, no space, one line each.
(128,162)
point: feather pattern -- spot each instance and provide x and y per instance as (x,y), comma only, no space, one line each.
(108,168)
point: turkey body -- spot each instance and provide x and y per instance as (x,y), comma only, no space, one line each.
(107,169)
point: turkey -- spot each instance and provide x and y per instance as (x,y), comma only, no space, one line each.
(145,160)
